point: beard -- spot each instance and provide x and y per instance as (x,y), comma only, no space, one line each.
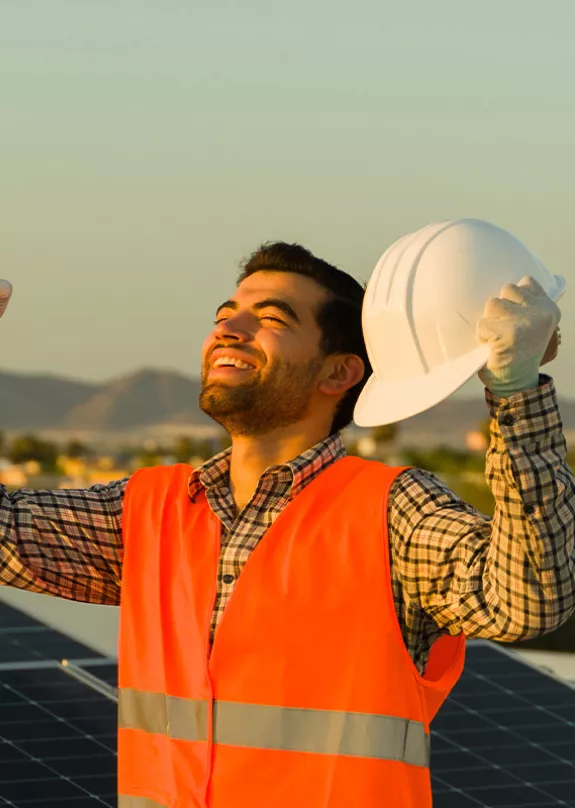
(277,398)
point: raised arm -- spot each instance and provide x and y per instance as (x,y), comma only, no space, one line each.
(507,578)
(66,543)
(513,576)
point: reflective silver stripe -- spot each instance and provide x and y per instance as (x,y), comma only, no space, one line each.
(125,801)
(184,719)
(327,732)
(259,726)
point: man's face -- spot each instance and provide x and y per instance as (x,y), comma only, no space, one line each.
(260,363)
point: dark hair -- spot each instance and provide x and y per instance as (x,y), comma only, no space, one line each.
(339,317)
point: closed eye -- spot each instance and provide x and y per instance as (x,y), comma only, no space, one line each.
(263,317)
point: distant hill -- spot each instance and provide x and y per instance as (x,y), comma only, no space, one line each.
(144,398)
(39,402)
(163,397)
(451,420)
(148,397)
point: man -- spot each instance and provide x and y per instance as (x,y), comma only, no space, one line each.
(280,603)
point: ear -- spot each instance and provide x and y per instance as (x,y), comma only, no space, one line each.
(340,373)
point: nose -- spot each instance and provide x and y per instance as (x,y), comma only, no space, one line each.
(233,328)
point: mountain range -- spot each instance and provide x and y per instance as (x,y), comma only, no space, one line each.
(149,398)
(141,399)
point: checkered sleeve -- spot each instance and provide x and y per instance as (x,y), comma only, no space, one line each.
(510,577)
(66,543)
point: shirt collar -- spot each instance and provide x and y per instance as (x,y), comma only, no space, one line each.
(302,469)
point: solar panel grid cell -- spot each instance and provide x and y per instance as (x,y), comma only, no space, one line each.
(57,735)
(506,736)
(58,741)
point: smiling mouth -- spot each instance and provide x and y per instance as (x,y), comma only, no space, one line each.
(231,363)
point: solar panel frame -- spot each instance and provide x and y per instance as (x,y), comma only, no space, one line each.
(24,639)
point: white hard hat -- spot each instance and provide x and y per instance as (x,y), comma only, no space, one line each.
(421,308)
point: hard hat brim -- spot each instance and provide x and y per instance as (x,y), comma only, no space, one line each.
(382,403)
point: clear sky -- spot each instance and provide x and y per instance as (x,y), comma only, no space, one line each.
(147,146)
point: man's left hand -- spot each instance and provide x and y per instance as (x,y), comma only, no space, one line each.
(520,327)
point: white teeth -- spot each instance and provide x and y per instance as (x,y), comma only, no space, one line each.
(229,360)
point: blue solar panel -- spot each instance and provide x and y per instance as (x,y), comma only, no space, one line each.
(505,737)
(57,734)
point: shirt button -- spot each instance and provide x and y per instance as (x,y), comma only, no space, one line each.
(228,579)
(529,508)
(507,420)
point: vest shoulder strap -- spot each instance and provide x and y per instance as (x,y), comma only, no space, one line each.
(157,481)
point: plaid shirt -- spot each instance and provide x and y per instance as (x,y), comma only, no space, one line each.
(453,569)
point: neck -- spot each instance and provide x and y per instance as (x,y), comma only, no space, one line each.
(251,456)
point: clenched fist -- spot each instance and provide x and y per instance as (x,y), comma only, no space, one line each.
(520,327)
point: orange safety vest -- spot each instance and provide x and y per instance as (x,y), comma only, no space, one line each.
(308,698)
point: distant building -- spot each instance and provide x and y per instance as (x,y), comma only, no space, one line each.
(12,476)
(476,441)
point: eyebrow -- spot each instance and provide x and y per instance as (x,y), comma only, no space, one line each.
(267,303)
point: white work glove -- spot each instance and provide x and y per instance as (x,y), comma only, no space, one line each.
(5,294)
(520,327)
